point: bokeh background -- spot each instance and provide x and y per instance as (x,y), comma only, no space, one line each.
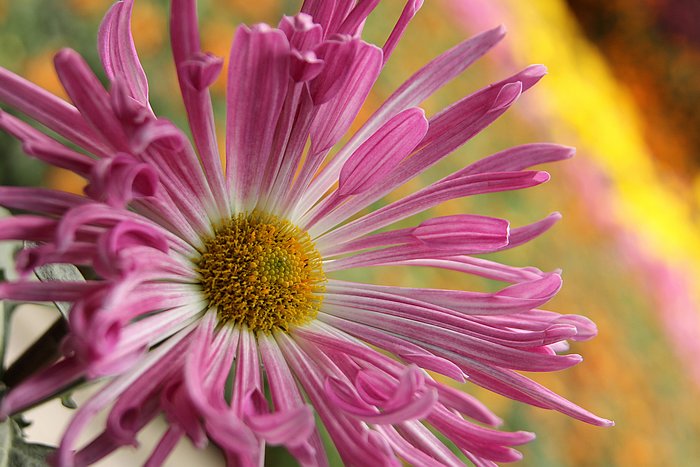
(622,88)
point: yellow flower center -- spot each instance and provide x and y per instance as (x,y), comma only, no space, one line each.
(262,271)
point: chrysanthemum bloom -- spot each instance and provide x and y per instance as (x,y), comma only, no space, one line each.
(216,303)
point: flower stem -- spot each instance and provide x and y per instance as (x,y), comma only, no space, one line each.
(40,354)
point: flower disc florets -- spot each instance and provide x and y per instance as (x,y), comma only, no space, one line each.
(262,271)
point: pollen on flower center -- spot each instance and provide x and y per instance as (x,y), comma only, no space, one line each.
(262,271)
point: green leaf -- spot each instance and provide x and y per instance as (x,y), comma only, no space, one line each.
(15,452)
(68,402)
(58,272)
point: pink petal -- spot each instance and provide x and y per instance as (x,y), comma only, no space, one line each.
(415,90)
(257,85)
(414,250)
(53,291)
(337,54)
(291,154)
(40,200)
(201,70)
(407,451)
(407,351)
(447,131)
(118,52)
(429,197)
(91,99)
(357,16)
(465,403)
(478,266)
(396,319)
(321,11)
(286,396)
(164,447)
(120,179)
(512,299)
(518,158)
(44,148)
(352,439)
(125,420)
(64,456)
(484,442)
(289,427)
(452,232)
(516,386)
(382,152)
(521,235)
(302,32)
(419,439)
(27,227)
(195,72)
(51,111)
(305,66)
(333,118)
(407,14)
(248,377)
(40,386)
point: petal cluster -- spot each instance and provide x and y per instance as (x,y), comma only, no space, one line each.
(367,366)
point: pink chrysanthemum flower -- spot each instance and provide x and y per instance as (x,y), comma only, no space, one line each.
(215,286)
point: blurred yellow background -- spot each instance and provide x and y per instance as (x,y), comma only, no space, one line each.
(629,243)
